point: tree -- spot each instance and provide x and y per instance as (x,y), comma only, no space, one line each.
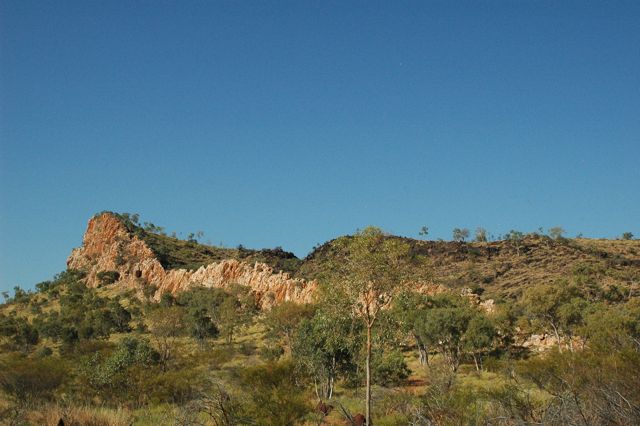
(166,326)
(571,317)
(479,337)
(367,277)
(443,326)
(283,320)
(556,232)
(408,309)
(481,235)
(235,311)
(544,303)
(627,236)
(460,234)
(113,377)
(424,231)
(390,368)
(24,335)
(515,238)
(326,346)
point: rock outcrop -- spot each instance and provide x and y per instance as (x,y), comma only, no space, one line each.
(109,246)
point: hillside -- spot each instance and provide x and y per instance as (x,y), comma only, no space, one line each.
(116,252)
(503,269)
(114,246)
(147,329)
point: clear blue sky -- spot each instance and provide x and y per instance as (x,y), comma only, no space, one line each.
(289,123)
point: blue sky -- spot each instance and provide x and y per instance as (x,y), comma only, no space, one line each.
(289,123)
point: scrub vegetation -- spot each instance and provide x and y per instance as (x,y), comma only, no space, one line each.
(372,349)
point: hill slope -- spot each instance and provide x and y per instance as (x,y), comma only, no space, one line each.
(117,250)
(502,269)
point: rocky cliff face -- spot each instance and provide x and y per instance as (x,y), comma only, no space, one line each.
(109,246)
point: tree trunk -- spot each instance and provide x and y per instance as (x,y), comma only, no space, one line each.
(368,391)
(570,343)
(331,384)
(422,351)
(315,386)
(475,360)
(555,331)
(358,380)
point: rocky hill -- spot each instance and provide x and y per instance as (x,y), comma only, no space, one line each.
(118,251)
(115,251)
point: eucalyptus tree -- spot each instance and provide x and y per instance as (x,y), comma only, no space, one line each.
(367,276)
(515,238)
(556,232)
(460,234)
(409,309)
(326,347)
(481,235)
(552,306)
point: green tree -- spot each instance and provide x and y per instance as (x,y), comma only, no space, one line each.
(515,238)
(283,320)
(166,326)
(325,346)
(234,313)
(479,337)
(231,316)
(544,304)
(571,317)
(113,377)
(460,234)
(367,278)
(444,324)
(23,334)
(390,368)
(409,309)
(627,236)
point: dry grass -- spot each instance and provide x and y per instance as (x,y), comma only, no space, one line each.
(78,416)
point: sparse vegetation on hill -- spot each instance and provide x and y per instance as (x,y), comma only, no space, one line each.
(503,269)
(559,344)
(174,253)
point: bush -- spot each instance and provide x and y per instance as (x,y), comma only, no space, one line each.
(114,378)
(25,379)
(218,356)
(247,348)
(44,352)
(108,277)
(271,352)
(390,369)
(275,397)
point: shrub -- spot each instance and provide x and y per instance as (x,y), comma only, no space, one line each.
(390,369)
(108,277)
(275,397)
(26,379)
